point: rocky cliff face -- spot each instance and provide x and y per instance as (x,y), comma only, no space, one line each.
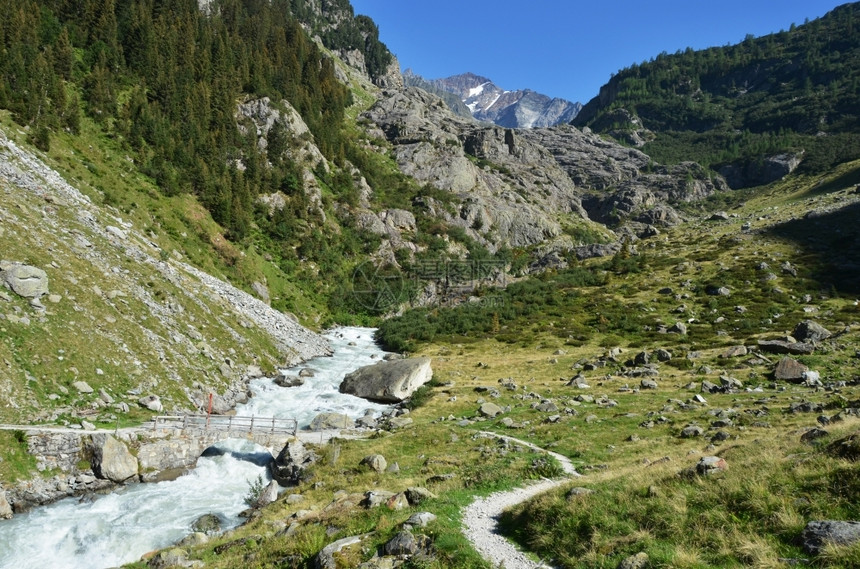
(520,188)
(513,109)
(512,191)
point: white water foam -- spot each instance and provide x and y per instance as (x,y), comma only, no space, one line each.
(353,348)
(120,527)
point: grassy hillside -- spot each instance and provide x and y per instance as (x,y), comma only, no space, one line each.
(796,90)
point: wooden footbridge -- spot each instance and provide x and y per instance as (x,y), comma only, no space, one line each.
(229,423)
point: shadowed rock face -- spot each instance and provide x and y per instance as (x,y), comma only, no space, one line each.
(388,382)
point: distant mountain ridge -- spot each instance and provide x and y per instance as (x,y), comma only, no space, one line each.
(486,101)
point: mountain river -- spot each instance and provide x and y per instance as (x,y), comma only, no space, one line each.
(118,528)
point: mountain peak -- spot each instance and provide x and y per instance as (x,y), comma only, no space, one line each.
(486,101)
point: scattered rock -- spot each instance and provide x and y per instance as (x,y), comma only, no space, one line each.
(490,410)
(846,447)
(710,465)
(399,422)
(810,331)
(786,347)
(818,534)
(730,383)
(82,387)
(789,369)
(813,434)
(5,508)
(735,352)
(375,462)
(284,380)
(268,495)
(420,519)
(691,431)
(417,494)
(151,402)
(325,558)
(713,290)
(577,492)
(173,557)
(404,543)
(375,498)
(289,466)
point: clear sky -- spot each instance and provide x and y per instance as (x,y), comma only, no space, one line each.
(566,48)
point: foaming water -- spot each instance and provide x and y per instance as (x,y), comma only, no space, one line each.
(353,348)
(119,528)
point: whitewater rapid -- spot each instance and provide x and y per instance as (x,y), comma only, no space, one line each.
(120,527)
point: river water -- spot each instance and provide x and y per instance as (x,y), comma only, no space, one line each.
(120,527)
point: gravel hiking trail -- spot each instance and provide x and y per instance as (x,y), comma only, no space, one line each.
(481,517)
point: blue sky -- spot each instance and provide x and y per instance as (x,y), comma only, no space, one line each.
(566,48)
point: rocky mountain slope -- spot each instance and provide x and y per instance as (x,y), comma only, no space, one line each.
(486,101)
(114,324)
(753,111)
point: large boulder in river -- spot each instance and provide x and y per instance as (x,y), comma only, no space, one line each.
(388,381)
(328,421)
(112,459)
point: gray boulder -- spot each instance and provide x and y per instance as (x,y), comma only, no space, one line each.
(325,558)
(810,331)
(404,543)
(818,534)
(375,462)
(268,495)
(789,369)
(284,380)
(327,421)
(112,459)
(786,347)
(691,431)
(290,464)
(388,381)
(207,524)
(490,410)
(24,280)
(420,519)
(151,402)
(710,465)
(417,494)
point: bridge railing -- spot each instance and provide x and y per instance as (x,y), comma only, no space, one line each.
(234,423)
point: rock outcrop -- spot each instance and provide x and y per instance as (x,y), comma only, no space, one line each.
(290,464)
(112,460)
(388,381)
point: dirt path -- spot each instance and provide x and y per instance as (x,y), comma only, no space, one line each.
(481,517)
